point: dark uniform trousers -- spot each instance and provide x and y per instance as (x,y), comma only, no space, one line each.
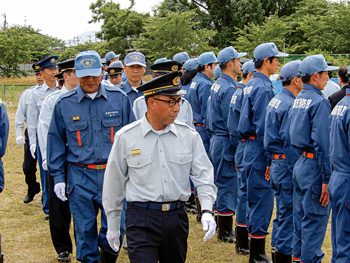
(154,235)
(60,218)
(29,168)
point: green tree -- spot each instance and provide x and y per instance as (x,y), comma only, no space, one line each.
(22,44)
(166,36)
(119,25)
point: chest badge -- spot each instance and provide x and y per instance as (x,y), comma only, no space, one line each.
(76,118)
(136,152)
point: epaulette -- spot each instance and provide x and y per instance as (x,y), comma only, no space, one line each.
(114,88)
(66,95)
(128,127)
(184,125)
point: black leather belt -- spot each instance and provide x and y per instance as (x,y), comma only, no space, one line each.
(157,205)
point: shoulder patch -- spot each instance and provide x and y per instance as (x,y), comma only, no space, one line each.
(128,127)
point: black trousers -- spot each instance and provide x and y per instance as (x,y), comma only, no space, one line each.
(156,236)
(29,168)
(60,218)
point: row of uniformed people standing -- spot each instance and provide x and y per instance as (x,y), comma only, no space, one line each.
(263,145)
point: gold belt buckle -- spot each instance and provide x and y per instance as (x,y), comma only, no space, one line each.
(165,207)
(99,167)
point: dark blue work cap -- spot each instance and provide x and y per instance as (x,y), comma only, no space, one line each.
(49,62)
(168,84)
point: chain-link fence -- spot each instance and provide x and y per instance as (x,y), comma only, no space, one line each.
(12,93)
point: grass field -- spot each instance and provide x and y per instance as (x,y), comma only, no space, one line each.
(26,237)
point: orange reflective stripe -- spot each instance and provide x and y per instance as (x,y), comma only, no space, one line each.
(112,134)
(253,138)
(78,137)
(279,156)
(308,155)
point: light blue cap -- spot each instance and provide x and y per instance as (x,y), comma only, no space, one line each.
(290,70)
(135,58)
(181,57)
(190,64)
(217,72)
(116,64)
(313,64)
(111,55)
(229,53)
(88,63)
(207,58)
(160,60)
(267,50)
(49,62)
(103,61)
(248,67)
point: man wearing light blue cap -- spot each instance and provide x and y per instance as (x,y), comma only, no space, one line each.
(108,59)
(232,125)
(277,144)
(222,149)
(135,68)
(48,67)
(257,95)
(199,94)
(309,133)
(81,132)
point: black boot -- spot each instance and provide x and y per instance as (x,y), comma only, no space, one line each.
(107,257)
(199,210)
(257,251)
(281,258)
(225,232)
(242,247)
(32,191)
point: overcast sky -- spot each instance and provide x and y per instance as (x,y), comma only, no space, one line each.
(63,19)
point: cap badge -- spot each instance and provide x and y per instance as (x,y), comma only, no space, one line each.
(112,71)
(174,68)
(135,57)
(37,67)
(176,81)
(88,62)
(52,61)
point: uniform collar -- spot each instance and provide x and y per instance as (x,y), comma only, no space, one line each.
(261,75)
(240,85)
(348,91)
(126,87)
(202,75)
(312,87)
(101,92)
(45,87)
(288,92)
(146,127)
(228,78)
(64,89)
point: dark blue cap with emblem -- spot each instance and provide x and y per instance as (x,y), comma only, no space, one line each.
(168,84)
(49,62)
(36,68)
(88,63)
(67,65)
(115,68)
(166,66)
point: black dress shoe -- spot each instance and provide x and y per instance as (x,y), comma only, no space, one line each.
(47,217)
(28,198)
(63,257)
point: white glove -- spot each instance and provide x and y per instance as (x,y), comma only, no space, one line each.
(32,150)
(209,225)
(60,191)
(113,239)
(20,141)
(44,165)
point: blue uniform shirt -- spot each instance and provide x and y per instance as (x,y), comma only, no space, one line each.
(310,126)
(198,97)
(220,97)
(235,111)
(132,94)
(257,95)
(87,125)
(277,123)
(340,135)
(187,89)
(4,133)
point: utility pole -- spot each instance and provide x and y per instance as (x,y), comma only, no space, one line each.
(25,20)
(5,23)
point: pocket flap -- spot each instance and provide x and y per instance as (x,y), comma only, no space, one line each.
(138,162)
(111,122)
(229,157)
(180,159)
(77,126)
